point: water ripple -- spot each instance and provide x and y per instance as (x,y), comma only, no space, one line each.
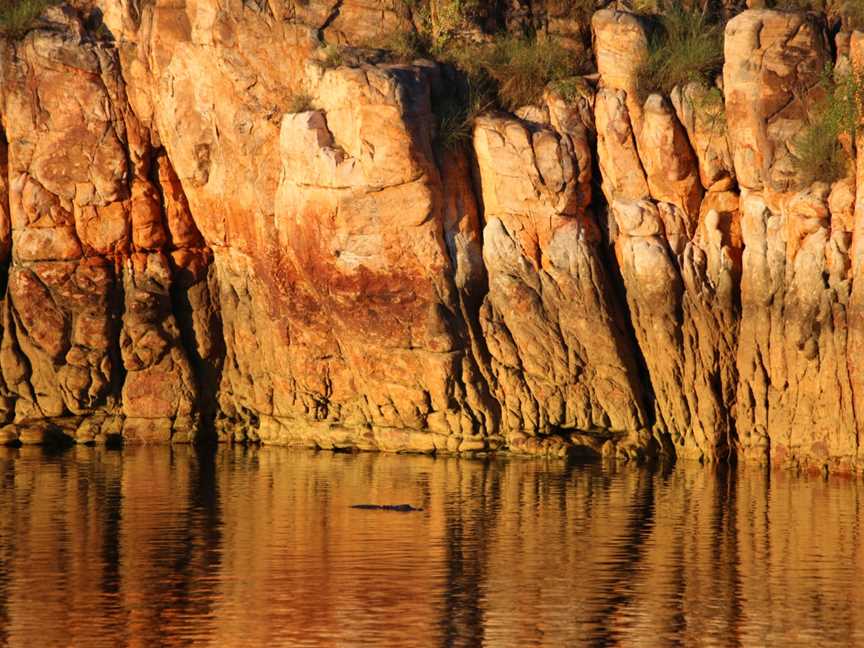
(251,547)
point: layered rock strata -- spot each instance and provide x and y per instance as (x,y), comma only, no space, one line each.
(190,250)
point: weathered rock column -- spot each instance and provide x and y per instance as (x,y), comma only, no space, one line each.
(795,388)
(87,206)
(561,356)
(674,243)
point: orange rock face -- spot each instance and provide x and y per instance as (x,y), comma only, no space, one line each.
(617,273)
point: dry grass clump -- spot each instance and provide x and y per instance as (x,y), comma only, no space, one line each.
(687,46)
(509,72)
(17,16)
(818,150)
(457,109)
(300,102)
(334,56)
(523,67)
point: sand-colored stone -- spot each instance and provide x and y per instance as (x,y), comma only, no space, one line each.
(797,339)
(774,60)
(560,353)
(672,245)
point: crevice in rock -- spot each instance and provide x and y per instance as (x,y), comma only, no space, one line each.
(193,298)
(618,298)
(206,370)
(333,15)
(117,309)
(471,298)
(601,210)
(6,235)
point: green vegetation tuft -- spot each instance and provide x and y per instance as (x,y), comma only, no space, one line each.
(456,111)
(510,72)
(406,46)
(523,67)
(396,47)
(648,7)
(852,11)
(334,56)
(711,109)
(818,150)
(300,102)
(17,16)
(570,88)
(448,20)
(687,46)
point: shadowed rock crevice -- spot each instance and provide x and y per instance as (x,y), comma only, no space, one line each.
(463,237)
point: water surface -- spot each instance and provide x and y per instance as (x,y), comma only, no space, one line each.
(259,547)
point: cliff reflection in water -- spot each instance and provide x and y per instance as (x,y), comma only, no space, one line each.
(154,546)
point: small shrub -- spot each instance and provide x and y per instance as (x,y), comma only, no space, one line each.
(711,108)
(708,105)
(522,68)
(450,18)
(300,102)
(818,149)
(647,7)
(456,111)
(17,16)
(508,73)
(819,155)
(334,56)
(401,47)
(853,13)
(688,46)
(570,88)
(454,124)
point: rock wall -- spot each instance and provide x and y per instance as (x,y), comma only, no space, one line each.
(185,254)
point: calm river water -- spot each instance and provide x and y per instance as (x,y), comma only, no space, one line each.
(259,547)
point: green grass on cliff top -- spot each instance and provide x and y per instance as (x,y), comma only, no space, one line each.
(509,71)
(17,16)
(819,153)
(686,46)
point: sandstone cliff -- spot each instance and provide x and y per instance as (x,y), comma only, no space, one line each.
(187,249)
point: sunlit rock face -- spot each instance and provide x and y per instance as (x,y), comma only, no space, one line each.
(364,278)
(102,245)
(208,223)
(795,390)
(671,237)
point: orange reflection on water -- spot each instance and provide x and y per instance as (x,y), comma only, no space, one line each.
(169,546)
